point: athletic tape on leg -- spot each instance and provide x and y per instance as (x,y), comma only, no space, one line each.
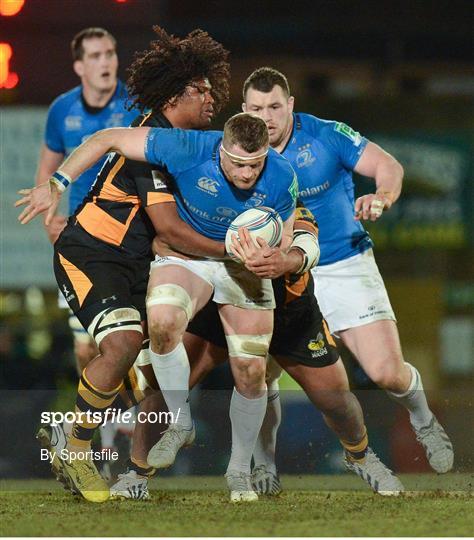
(114,320)
(248,345)
(171,295)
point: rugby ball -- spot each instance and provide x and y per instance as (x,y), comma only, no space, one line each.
(262,221)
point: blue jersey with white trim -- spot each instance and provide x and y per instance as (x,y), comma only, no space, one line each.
(204,197)
(323,154)
(70,122)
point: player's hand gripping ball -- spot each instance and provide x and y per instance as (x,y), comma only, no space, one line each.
(261,222)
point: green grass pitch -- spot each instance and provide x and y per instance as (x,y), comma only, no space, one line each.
(198,506)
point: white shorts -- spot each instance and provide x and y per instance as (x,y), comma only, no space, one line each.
(78,331)
(232,283)
(352,292)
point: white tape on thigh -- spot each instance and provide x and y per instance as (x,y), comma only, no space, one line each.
(171,295)
(114,320)
(248,345)
(143,359)
(274,371)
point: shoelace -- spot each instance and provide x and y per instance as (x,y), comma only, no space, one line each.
(425,432)
(259,469)
(170,436)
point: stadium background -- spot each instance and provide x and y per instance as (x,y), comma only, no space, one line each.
(401,75)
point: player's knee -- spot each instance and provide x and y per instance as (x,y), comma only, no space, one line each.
(248,354)
(337,403)
(121,350)
(169,309)
(166,327)
(249,374)
(390,377)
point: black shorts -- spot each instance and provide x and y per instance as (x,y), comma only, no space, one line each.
(93,276)
(300,332)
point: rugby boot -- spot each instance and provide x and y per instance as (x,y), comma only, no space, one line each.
(85,478)
(437,445)
(265,482)
(54,439)
(240,487)
(130,485)
(379,477)
(164,452)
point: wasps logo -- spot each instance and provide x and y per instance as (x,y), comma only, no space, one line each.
(316,344)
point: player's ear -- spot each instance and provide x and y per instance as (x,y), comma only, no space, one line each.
(78,67)
(244,107)
(291,103)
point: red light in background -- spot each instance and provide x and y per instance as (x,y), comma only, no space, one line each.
(121,1)
(8,79)
(8,8)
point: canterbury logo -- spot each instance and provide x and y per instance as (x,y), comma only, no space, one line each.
(207,184)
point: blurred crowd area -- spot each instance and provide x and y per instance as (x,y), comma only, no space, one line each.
(401,75)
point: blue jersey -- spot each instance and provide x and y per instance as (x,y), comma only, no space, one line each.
(70,122)
(323,154)
(204,197)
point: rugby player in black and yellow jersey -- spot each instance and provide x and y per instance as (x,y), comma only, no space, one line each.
(102,257)
(113,215)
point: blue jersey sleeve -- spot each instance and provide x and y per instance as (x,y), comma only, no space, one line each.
(346,143)
(176,149)
(288,200)
(285,189)
(53,137)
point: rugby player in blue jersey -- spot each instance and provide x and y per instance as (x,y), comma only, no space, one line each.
(348,284)
(215,177)
(99,102)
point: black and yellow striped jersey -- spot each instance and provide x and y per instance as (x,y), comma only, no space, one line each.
(114,210)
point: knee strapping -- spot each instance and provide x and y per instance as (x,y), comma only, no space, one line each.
(143,359)
(114,320)
(273,374)
(248,345)
(171,295)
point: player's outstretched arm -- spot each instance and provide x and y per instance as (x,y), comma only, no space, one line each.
(178,235)
(129,142)
(388,175)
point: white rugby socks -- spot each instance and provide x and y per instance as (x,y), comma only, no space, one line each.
(246,416)
(414,400)
(172,373)
(264,452)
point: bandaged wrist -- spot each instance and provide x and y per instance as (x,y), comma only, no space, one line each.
(308,243)
(60,180)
